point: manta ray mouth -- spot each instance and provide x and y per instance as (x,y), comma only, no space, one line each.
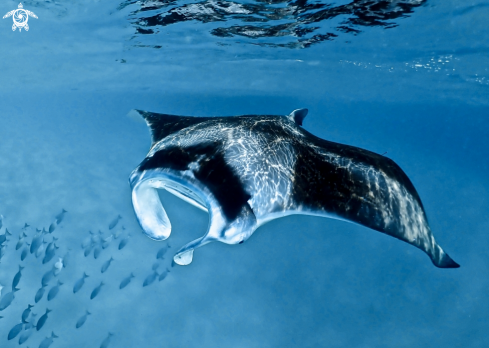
(147,205)
(183,192)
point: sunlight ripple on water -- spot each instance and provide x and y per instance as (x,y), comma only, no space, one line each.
(303,23)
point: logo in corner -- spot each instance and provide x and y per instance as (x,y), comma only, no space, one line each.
(20,17)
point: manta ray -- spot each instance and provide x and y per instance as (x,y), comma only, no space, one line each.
(248,170)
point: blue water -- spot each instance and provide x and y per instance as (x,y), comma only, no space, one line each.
(414,86)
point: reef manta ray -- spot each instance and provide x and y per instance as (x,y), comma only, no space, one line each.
(248,170)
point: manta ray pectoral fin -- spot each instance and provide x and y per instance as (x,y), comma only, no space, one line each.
(440,258)
(446,262)
(161,125)
(234,232)
(298,116)
(149,211)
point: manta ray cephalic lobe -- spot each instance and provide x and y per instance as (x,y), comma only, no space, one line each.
(247,170)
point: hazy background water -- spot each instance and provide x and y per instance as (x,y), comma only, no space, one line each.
(417,91)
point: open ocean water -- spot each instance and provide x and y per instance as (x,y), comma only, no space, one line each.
(404,78)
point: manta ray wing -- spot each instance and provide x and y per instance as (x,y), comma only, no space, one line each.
(365,188)
(162,125)
(9,14)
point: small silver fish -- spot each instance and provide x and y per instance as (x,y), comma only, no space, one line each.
(15,331)
(50,252)
(96,252)
(161,253)
(40,293)
(42,320)
(88,249)
(79,283)
(163,275)
(82,319)
(48,341)
(22,235)
(6,300)
(54,291)
(126,281)
(106,241)
(86,242)
(46,278)
(26,312)
(114,222)
(58,266)
(24,253)
(36,242)
(67,258)
(41,249)
(25,335)
(96,291)
(17,277)
(106,342)
(53,226)
(61,216)
(150,279)
(124,242)
(106,265)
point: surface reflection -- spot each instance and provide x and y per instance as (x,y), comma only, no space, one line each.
(307,22)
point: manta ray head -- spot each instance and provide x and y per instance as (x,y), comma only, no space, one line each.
(153,218)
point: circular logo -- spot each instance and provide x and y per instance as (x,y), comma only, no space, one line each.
(20,17)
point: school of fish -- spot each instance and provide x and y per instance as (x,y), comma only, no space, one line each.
(44,245)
